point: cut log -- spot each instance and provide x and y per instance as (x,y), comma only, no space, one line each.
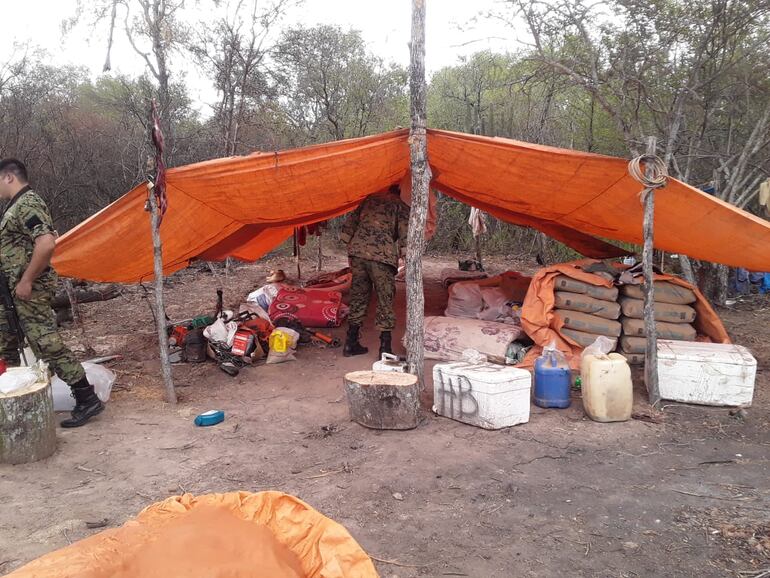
(27,425)
(62,300)
(383,400)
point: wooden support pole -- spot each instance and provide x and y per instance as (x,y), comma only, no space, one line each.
(160,318)
(297,254)
(77,317)
(70,291)
(418,214)
(477,243)
(651,353)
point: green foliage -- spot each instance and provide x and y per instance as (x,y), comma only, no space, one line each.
(333,88)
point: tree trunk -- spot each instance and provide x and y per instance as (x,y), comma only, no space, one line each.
(160,318)
(77,318)
(418,148)
(72,300)
(687,270)
(477,246)
(83,296)
(717,280)
(383,400)
(27,425)
(651,353)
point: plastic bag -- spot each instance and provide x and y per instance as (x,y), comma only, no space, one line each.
(600,348)
(474,356)
(17,378)
(494,304)
(283,344)
(221,332)
(99,376)
(265,295)
(516,353)
(552,357)
(465,300)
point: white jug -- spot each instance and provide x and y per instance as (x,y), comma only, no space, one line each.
(608,393)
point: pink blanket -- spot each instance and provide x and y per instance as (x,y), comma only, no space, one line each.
(446,338)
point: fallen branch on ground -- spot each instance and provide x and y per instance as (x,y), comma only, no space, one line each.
(400,564)
(743,499)
(61,300)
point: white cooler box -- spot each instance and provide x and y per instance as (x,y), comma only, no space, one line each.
(482,394)
(706,373)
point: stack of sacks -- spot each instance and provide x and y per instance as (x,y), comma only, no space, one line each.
(674,317)
(587,311)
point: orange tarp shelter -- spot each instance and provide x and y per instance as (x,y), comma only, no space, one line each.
(245,206)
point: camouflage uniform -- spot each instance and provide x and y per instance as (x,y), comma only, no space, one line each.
(376,235)
(25,219)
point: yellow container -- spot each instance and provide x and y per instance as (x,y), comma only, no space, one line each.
(280,341)
(608,393)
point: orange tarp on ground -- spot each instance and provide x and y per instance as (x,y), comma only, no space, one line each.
(325,549)
(246,206)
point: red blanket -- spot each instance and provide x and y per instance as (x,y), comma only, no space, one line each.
(311,307)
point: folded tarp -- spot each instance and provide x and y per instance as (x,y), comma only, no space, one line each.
(246,206)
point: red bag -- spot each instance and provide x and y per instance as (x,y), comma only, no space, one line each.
(311,307)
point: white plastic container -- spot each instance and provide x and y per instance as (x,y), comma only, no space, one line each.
(706,373)
(482,394)
(608,392)
(389,362)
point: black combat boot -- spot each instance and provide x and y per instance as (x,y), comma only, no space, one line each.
(352,346)
(386,343)
(87,404)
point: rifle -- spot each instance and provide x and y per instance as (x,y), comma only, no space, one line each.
(6,297)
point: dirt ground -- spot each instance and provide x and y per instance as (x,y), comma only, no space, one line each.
(684,495)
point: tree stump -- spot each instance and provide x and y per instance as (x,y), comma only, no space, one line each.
(383,400)
(27,425)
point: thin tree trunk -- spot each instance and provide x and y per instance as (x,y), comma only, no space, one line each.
(651,352)
(70,291)
(107,62)
(723,280)
(160,318)
(716,284)
(418,148)
(477,243)
(77,317)
(687,270)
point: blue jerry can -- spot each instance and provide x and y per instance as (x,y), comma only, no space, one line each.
(552,380)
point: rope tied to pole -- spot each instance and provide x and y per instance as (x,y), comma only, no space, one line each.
(654,175)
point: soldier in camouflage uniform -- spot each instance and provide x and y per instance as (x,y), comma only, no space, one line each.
(27,242)
(376,236)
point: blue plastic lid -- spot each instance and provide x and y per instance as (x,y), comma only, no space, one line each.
(212,417)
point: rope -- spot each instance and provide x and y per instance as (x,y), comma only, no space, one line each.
(658,174)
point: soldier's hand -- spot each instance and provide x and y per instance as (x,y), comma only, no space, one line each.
(24,290)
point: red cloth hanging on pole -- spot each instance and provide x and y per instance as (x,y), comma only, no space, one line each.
(159,188)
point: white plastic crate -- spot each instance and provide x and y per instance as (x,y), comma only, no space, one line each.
(482,394)
(706,373)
